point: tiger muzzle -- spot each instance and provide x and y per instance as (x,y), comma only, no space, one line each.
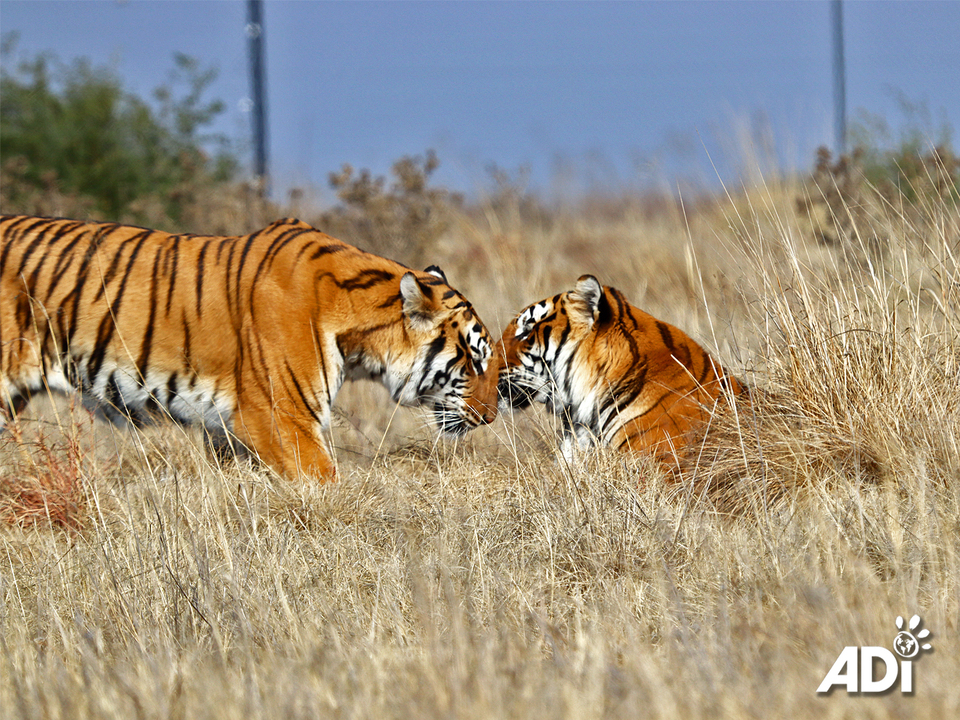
(513,394)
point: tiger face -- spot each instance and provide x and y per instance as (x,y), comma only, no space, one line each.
(454,371)
(615,375)
(537,348)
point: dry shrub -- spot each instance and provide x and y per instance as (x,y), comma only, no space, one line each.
(858,201)
(224,209)
(47,486)
(401,221)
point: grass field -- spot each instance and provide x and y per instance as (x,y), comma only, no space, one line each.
(486,577)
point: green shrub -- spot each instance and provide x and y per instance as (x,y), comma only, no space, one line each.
(72,137)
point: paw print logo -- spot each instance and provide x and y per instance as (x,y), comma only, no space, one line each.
(906,643)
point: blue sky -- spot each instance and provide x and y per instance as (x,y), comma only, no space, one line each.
(580,94)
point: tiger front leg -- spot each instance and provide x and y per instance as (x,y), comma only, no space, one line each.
(282,403)
(287,441)
(576,440)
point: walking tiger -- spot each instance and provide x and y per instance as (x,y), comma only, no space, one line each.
(249,336)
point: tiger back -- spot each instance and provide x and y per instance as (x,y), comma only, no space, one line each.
(614,374)
(249,336)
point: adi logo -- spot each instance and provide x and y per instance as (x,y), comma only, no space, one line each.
(855,666)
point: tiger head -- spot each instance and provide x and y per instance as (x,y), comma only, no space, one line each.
(455,369)
(613,373)
(538,348)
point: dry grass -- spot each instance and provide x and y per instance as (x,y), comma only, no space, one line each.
(485,578)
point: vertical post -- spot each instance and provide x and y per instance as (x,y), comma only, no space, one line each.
(839,80)
(258,108)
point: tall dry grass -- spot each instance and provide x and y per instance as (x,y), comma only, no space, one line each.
(487,578)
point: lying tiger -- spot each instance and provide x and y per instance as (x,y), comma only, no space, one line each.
(249,336)
(614,375)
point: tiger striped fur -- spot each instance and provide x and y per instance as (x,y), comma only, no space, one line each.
(249,336)
(615,375)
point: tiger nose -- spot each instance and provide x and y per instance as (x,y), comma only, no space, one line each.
(484,413)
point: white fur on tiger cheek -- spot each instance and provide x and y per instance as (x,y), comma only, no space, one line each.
(576,392)
(531,316)
(564,381)
(570,448)
(480,349)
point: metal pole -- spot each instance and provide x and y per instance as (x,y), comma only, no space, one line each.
(258,109)
(839,80)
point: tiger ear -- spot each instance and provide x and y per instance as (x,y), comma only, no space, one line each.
(437,272)
(419,307)
(585,299)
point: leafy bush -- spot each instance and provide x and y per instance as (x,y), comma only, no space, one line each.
(71,136)
(918,163)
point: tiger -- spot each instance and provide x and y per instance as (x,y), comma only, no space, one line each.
(613,374)
(251,337)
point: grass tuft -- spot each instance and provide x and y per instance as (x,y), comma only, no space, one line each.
(47,487)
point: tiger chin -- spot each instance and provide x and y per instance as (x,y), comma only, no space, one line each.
(613,374)
(250,337)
